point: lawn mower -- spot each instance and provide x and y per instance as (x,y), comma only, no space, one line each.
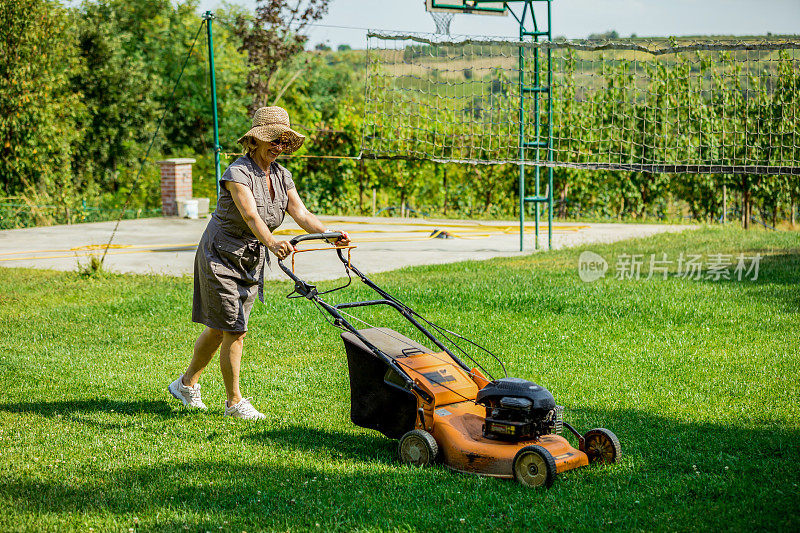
(442,409)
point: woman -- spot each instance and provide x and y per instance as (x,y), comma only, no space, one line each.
(255,194)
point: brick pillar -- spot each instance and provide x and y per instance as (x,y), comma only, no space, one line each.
(176,183)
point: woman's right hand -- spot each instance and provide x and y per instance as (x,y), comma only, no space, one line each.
(281,249)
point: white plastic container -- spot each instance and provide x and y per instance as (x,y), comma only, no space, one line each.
(190,208)
(202,206)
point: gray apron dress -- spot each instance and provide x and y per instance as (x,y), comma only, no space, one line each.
(229,264)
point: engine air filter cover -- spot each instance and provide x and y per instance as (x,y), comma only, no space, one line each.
(540,398)
(515,403)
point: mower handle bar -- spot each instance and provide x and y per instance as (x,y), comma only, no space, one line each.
(311,237)
(316,237)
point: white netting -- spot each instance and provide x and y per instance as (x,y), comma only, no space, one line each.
(442,21)
(652,106)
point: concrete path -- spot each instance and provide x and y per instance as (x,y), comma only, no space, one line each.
(167,245)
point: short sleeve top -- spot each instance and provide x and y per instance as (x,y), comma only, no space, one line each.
(271,209)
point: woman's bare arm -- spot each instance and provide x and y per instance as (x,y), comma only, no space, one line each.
(246,203)
(306,219)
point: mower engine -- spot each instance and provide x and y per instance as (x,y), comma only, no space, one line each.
(517,409)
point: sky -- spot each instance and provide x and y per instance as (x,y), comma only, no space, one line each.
(573,19)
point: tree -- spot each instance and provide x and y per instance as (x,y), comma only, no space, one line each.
(116,88)
(327,107)
(37,109)
(609,35)
(272,38)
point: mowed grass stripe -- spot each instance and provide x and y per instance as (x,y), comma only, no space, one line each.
(699,379)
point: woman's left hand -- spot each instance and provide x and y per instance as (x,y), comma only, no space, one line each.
(344,240)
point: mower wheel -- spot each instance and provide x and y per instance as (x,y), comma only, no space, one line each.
(534,466)
(602,446)
(418,448)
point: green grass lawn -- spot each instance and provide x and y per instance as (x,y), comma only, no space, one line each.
(700,380)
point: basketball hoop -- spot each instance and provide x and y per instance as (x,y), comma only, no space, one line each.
(442,11)
(442,21)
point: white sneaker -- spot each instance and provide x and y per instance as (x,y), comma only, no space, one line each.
(243,409)
(190,396)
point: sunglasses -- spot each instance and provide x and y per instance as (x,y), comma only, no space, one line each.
(281,142)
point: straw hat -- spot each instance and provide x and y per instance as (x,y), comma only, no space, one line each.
(270,123)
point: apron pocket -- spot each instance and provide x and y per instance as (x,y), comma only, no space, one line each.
(237,258)
(230,252)
(251,259)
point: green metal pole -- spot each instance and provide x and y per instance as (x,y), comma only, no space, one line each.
(521,53)
(538,144)
(537,83)
(208,16)
(550,152)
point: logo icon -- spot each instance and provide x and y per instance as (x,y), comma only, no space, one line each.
(591,266)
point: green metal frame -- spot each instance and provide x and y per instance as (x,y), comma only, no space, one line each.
(541,140)
(530,27)
(208,17)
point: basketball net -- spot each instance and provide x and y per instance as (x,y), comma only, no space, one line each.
(442,21)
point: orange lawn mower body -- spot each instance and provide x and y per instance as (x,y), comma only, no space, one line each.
(442,410)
